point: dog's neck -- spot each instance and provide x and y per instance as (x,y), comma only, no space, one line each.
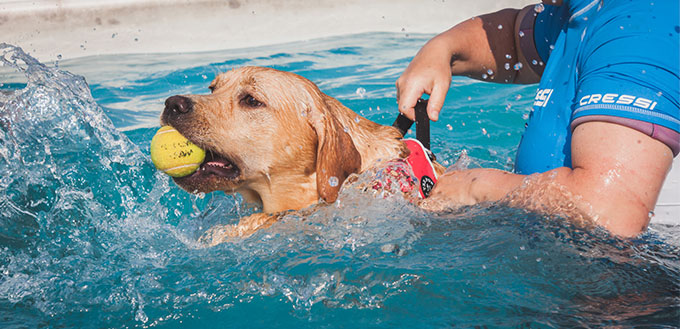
(374,142)
(277,195)
(291,189)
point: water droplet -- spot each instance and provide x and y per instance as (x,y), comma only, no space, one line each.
(141,316)
(644,71)
(361,92)
(534,62)
(114,35)
(507,66)
(500,27)
(621,27)
(521,35)
(484,132)
(517,66)
(539,8)
(469,98)
(650,214)
(59,56)
(489,72)
(356,119)
(136,39)
(485,76)
(345,129)
(552,47)
(449,127)
(508,56)
(333,181)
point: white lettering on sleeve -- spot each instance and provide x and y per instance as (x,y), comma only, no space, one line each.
(609,98)
(594,98)
(625,99)
(642,102)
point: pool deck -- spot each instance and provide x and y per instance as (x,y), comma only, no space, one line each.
(76,28)
(63,29)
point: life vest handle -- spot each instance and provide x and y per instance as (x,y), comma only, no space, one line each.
(403,124)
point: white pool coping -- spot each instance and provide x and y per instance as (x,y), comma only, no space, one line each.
(76,28)
(52,29)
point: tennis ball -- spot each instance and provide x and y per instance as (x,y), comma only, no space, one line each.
(173,154)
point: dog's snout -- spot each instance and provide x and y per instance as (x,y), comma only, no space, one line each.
(178,105)
(175,107)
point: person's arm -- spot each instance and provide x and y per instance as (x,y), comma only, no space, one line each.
(616,178)
(479,48)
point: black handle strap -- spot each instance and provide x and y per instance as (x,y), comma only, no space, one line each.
(422,123)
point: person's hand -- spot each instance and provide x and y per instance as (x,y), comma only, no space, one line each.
(430,73)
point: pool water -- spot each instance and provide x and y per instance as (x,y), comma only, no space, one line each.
(92,236)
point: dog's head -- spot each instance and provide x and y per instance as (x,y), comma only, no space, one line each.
(272,136)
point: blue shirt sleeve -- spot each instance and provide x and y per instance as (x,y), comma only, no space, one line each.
(549,22)
(630,66)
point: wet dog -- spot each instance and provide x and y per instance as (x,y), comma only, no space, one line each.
(276,139)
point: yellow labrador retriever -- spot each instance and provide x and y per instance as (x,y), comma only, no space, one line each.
(276,139)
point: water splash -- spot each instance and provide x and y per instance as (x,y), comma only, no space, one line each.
(91,236)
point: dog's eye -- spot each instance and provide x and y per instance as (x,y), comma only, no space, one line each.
(250,101)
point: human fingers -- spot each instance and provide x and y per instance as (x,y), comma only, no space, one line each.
(408,96)
(436,101)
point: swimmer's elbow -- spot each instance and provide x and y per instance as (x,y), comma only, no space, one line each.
(610,206)
(627,225)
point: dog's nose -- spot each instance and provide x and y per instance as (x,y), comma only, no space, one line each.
(175,108)
(178,105)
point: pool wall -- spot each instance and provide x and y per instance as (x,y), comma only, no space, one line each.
(63,29)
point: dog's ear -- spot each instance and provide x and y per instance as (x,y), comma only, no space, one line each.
(336,157)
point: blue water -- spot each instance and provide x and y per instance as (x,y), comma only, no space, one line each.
(91,236)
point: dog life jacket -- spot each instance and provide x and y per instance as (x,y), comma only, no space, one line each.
(407,175)
(420,161)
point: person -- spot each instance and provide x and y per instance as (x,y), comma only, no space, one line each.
(604,126)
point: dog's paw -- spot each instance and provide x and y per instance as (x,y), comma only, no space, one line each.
(217,234)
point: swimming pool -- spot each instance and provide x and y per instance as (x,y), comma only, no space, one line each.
(92,236)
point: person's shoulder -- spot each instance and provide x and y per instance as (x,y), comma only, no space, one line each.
(635,29)
(647,17)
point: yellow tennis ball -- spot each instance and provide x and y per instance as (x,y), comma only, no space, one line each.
(173,154)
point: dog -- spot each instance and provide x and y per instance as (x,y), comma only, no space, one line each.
(276,139)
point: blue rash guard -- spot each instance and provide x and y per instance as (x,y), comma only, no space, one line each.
(605,60)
